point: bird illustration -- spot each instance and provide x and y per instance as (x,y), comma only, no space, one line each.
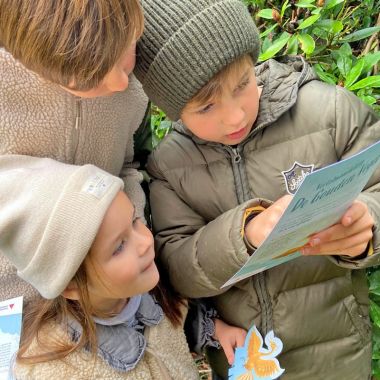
(262,361)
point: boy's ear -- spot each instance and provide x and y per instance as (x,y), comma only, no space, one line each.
(71,292)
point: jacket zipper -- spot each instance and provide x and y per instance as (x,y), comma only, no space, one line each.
(243,194)
(78,121)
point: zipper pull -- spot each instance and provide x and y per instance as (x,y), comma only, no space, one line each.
(77,117)
(76,122)
(237,156)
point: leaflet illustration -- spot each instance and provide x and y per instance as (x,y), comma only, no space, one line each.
(319,202)
(10,331)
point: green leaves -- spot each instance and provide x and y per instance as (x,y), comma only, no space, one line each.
(370,60)
(372,81)
(344,64)
(324,76)
(374,284)
(360,34)
(307,43)
(292,48)
(265,13)
(354,74)
(268,31)
(159,125)
(309,21)
(375,312)
(284,8)
(275,47)
(305,4)
(333,3)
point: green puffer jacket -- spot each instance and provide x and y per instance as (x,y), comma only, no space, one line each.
(317,306)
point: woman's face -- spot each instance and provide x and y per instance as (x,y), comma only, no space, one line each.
(116,80)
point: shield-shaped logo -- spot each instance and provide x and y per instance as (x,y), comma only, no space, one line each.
(295,175)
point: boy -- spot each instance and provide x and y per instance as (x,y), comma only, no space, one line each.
(67,91)
(241,131)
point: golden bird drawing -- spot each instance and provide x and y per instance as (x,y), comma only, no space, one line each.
(262,361)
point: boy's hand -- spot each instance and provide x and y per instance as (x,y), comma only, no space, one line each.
(349,237)
(229,338)
(262,225)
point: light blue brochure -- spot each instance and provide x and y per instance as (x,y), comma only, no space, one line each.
(10,331)
(319,202)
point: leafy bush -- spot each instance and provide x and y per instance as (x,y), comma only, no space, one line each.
(339,38)
(160,126)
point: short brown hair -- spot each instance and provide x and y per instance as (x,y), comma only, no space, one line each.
(69,41)
(213,88)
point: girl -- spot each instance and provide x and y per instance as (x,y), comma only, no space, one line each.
(74,236)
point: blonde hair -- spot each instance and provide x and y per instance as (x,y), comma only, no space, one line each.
(42,312)
(213,89)
(74,43)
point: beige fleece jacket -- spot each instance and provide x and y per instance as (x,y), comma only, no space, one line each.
(40,119)
(166,357)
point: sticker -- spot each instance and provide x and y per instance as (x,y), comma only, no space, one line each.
(254,361)
(97,185)
(295,175)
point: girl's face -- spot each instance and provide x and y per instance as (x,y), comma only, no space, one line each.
(121,260)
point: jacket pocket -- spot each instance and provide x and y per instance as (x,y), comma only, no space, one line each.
(360,322)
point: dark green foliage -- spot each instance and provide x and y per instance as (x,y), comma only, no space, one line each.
(374,289)
(339,38)
(159,125)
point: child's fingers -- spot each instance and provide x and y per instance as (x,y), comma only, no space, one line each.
(282,203)
(231,358)
(336,233)
(240,338)
(228,351)
(257,230)
(339,231)
(350,246)
(354,213)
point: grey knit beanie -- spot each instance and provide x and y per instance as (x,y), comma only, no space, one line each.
(50,215)
(186,42)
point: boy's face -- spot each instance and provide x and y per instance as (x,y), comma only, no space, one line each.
(229,118)
(116,80)
(121,262)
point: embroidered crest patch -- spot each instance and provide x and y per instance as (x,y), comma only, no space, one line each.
(295,175)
